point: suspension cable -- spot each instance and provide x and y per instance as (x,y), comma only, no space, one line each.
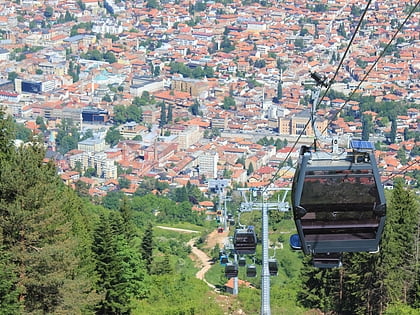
(274,177)
(405,168)
(373,65)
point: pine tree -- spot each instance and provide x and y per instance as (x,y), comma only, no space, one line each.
(37,232)
(128,227)
(162,267)
(250,169)
(119,268)
(9,304)
(162,121)
(280,90)
(398,253)
(362,284)
(393,133)
(320,288)
(147,247)
(169,117)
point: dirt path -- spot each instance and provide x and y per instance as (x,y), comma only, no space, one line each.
(228,302)
(176,229)
(200,257)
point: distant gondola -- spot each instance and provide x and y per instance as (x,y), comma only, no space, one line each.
(273,267)
(245,241)
(231,270)
(338,201)
(223,258)
(251,271)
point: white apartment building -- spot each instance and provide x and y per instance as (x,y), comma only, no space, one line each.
(105,168)
(207,163)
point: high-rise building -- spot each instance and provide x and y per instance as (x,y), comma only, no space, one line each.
(207,163)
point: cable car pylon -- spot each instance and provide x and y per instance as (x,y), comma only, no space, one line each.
(264,207)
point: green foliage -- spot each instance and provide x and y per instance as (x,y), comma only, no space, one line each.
(401,155)
(92,55)
(113,136)
(37,234)
(319,288)
(119,267)
(123,182)
(112,200)
(163,119)
(48,12)
(68,17)
(81,5)
(208,71)
(228,102)
(87,26)
(177,294)
(9,294)
(152,4)
(178,67)
(145,99)
(123,114)
(11,76)
(260,63)
(393,134)
(250,169)
(67,136)
(147,247)
(195,108)
(367,127)
(398,246)
(74,71)
(356,10)
(198,73)
(109,57)
(401,309)
(299,44)
(90,172)
(23,133)
(226,45)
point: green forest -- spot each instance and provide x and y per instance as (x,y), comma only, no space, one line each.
(62,253)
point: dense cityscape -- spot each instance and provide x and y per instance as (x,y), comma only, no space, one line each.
(159,88)
(124,123)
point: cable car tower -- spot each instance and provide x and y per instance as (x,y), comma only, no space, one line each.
(337,198)
(269,265)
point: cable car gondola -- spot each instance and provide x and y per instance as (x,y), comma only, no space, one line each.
(223,259)
(251,271)
(273,267)
(338,201)
(242,261)
(245,240)
(231,270)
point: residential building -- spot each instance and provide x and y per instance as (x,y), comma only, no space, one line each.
(207,163)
